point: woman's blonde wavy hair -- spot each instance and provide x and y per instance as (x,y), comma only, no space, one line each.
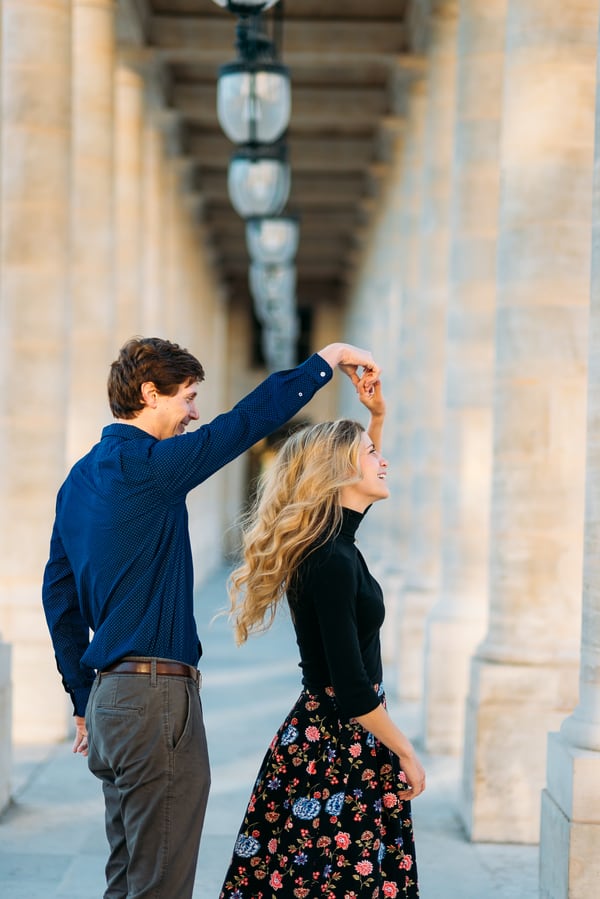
(296,509)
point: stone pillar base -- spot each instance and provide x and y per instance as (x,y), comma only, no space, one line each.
(510,710)
(570,829)
(412,614)
(450,642)
(5,724)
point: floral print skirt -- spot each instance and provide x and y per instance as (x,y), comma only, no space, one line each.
(326,816)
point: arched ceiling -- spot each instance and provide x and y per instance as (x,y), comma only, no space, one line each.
(351,62)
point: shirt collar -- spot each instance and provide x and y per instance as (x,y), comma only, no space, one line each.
(125,432)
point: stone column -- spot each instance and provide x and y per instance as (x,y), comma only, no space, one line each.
(5,668)
(570,826)
(374,322)
(423,569)
(400,387)
(34,242)
(129,118)
(153,231)
(524,675)
(456,623)
(92,232)
(5,724)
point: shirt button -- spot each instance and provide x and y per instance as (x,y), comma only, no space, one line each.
(322,374)
(300,393)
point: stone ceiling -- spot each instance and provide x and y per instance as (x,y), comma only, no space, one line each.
(350,63)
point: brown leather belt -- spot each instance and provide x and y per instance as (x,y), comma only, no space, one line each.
(144,666)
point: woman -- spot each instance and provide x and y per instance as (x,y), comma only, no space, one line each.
(329,815)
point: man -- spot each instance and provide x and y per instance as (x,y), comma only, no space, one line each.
(121,566)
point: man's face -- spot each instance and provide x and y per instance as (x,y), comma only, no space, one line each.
(174,413)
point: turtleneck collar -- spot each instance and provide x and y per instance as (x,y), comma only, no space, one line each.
(351,520)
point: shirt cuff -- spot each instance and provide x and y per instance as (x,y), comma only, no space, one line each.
(319,369)
(80,697)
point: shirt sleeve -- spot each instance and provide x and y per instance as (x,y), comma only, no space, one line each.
(68,630)
(183,462)
(332,584)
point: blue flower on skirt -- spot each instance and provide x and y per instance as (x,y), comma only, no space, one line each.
(381,853)
(370,740)
(246,846)
(334,804)
(290,735)
(306,809)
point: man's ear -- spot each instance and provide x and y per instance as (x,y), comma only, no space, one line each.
(149,394)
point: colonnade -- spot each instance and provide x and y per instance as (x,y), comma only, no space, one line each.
(489,469)
(478,288)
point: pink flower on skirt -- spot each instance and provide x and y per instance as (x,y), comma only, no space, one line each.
(275,881)
(406,863)
(390,889)
(389,800)
(355,750)
(312,733)
(365,867)
(342,840)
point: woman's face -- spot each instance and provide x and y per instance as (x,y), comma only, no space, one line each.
(372,485)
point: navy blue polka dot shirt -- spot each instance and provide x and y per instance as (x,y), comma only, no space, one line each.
(120,560)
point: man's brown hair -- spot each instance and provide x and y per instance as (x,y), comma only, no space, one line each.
(143,359)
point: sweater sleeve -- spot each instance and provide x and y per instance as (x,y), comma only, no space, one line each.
(332,583)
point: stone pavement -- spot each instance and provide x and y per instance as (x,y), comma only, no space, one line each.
(52,842)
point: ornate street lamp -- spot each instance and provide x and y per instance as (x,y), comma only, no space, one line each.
(272,240)
(279,346)
(273,288)
(258,180)
(254,97)
(253,101)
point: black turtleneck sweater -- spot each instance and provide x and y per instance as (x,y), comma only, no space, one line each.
(337,609)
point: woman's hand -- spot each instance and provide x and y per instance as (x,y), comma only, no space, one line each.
(371,396)
(415,775)
(80,743)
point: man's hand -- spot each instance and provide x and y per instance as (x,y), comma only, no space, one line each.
(80,743)
(350,359)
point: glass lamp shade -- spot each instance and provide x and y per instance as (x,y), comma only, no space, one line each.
(275,313)
(254,101)
(245,6)
(272,241)
(279,346)
(273,288)
(258,183)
